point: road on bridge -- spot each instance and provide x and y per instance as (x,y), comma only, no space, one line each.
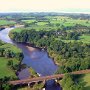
(44,78)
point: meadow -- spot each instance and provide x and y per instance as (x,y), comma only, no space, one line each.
(6,22)
(85,38)
(55,23)
(28,21)
(67,27)
(10,47)
(5,70)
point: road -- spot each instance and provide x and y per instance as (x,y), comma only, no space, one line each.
(44,78)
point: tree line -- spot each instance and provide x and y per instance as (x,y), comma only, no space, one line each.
(9,54)
(69,56)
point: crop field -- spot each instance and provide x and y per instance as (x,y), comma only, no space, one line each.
(67,21)
(85,38)
(5,22)
(28,21)
(55,23)
(17,30)
(42,23)
(66,38)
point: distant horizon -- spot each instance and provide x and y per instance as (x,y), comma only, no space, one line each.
(45,12)
(60,6)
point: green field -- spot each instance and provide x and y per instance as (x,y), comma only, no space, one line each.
(11,47)
(85,38)
(28,21)
(4,69)
(67,21)
(42,23)
(37,28)
(54,22)
(17,30)
(6,22)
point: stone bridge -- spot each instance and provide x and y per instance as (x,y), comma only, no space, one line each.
(45,78)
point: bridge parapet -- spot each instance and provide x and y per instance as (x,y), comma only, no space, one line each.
(45,78)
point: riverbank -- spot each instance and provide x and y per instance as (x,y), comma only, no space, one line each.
(40,63)
(9,60)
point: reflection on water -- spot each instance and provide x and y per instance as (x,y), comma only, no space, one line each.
(4,35)
(36,59)
(52,85)
(24,74)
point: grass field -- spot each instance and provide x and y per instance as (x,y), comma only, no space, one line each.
(28,21)
(10,47)
(4,69)
(54,21)
(17,30)
(6,22)
(37,28)
(42,23)
(85,38)
(67,21)
(62,20)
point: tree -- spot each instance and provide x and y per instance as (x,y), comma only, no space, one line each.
(2,51)
(67,82)
(10,63)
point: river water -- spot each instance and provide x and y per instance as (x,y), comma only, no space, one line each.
(37,59)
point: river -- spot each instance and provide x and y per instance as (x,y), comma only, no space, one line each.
(37,59)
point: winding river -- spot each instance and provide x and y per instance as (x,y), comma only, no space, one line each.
(37,59)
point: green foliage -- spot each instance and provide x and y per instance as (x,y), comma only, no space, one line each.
(32,72)
(10,56)
(70,57)
(68,83)
(85,79)
(6,22)
(85,38)
(4,69)
(6,87)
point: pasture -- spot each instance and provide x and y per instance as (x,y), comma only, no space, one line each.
(5,70)
(6,22)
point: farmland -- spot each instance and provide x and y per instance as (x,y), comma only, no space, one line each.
(8,53)
(10,47)
(6,22)
(65,37)
(85,38)
(60,20)
(5,70)
(62,24)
